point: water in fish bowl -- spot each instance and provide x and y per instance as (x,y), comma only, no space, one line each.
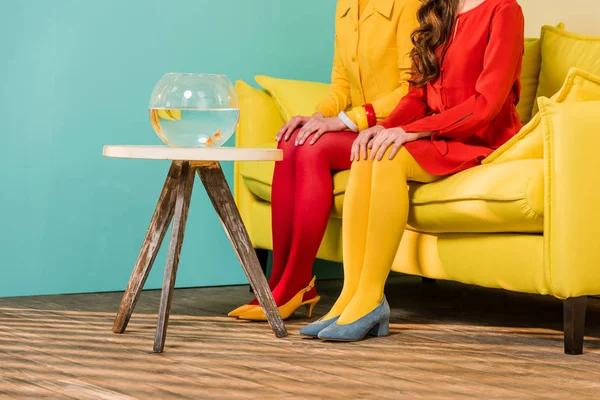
(194,127)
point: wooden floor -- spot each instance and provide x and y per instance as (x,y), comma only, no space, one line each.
(448,341)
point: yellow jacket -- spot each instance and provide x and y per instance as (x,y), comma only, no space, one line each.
(371,57)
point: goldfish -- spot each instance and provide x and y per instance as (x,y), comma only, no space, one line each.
(217,135)
(210,142)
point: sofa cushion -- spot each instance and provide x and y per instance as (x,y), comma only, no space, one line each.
(579,86)
(532,62)
(294,97)
(562,51)
(505,197)
(259,117)
(530,75)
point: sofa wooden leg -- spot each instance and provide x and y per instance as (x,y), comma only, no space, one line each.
(263,259)
(428,280)
(574,324)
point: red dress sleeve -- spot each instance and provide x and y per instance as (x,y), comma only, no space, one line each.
(500,66)
(413,106)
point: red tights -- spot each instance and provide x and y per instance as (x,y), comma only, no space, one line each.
(301,204)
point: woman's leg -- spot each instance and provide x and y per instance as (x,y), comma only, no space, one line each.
(282,207)
(354,231)
(311,205)
(387,216)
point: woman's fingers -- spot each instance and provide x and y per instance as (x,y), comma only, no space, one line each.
(311,125)
(282,131)
(395,148)
(288,128)
(292,126)
(384,146)
(307,130)
(302,132)
(363,146)
(320,132)
(314,126)
(306,126)
(378,142)
(354,151)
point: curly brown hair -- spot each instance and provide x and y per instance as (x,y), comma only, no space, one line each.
(436,18)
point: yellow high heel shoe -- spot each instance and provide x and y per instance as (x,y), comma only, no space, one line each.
(286,310)
(240,310)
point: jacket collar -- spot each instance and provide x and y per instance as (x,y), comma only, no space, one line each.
(383,7)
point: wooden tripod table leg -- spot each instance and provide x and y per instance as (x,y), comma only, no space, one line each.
(216,186)
(182,205)
(154,237)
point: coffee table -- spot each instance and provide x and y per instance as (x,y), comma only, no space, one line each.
(173,205)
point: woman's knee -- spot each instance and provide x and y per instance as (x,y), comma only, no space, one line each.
(288,147)
(362,165)
(400,163)
(313,153)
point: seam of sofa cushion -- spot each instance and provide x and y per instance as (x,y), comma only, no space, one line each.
(466,198)
(525,202)
(529,195)
(532,210)
(451,200)
(335,192)
(247,178)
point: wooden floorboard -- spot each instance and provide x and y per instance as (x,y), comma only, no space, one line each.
(447,341)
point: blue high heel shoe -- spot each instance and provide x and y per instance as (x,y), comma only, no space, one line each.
(375,323)
(314,328)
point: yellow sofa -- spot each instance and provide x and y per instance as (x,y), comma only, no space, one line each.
(527,220)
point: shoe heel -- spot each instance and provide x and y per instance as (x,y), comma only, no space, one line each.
(310,305)
(381,329)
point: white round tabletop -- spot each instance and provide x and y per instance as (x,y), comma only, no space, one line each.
(193,154)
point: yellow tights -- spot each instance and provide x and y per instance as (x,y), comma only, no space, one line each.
(374,219)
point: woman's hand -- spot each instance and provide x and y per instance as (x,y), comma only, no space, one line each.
(317,126)
(361,143)
(395,137)
(286,131)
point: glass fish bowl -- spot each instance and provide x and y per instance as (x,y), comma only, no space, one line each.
(194,110)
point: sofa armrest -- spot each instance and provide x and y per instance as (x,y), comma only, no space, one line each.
(572,197)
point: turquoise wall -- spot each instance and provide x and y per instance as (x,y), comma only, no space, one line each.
(77,74)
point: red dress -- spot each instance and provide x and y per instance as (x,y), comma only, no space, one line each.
(471,107)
